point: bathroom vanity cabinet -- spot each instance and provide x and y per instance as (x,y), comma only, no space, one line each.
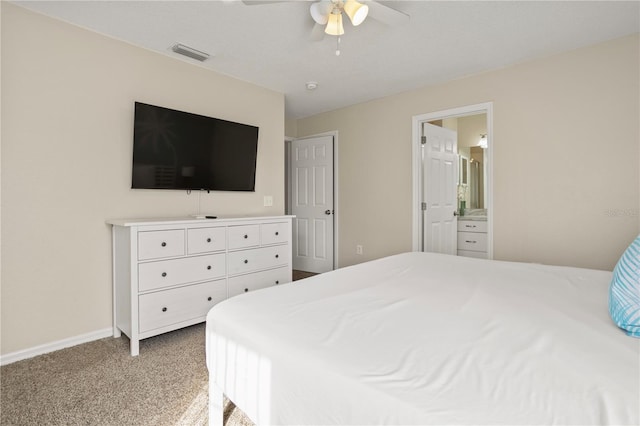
(472,238)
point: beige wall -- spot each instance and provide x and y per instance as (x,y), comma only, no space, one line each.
(566,150)
(67,123)
(0,180)
(470,128)
(290,127)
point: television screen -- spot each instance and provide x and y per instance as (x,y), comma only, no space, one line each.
(179,150)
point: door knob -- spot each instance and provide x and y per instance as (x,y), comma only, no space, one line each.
(327,212)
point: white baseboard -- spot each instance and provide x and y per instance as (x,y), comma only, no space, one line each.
(55,346)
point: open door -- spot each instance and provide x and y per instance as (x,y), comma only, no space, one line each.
(434,209)
(440,178)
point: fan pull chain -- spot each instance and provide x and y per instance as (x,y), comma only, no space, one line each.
(338,46)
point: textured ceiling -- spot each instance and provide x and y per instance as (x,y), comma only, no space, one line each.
(270,45)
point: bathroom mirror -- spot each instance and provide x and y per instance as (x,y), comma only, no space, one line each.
(476,179)
(464,170)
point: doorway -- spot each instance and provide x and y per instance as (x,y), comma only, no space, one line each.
(310,192)
(436,224)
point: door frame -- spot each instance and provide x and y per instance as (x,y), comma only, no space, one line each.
(336,210)
(416,148)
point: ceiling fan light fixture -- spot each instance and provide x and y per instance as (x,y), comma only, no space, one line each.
(357,12)
(334,24)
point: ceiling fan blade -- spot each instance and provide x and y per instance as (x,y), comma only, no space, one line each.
(385,14)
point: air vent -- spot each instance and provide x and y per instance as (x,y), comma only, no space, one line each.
(190,52)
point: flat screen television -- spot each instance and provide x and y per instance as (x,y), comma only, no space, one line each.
(180,150)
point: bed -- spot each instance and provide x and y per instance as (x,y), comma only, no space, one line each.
(424,338)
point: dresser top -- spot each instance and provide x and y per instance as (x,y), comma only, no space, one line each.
(191,220)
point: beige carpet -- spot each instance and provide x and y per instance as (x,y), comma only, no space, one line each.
(98,383)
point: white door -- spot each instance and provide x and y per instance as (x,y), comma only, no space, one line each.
(439,186)
(311,174)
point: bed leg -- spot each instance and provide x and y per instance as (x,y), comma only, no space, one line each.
(216,405)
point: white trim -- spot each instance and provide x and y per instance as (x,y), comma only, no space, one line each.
(287,177)
(417,120)
(55,346)
(336,197)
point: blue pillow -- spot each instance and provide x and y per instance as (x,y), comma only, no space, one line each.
(624,291)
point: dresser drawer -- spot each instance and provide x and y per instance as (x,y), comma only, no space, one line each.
(274,233)
(472,225)
(245,283)
(165,308)
(241,262)
(472,241)
(204,240)
(243,236)
(166,273)
(160,244)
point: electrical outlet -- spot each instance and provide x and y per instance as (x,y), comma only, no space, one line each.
(268,201)
(359,249)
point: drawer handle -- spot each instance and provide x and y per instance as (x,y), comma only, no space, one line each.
(208,240)
(470,226)
(208,267)
(163,244)
(277,256)
(164,309)
(209,298)
(277,233)
(277,282)
(246,290)
(246,261)
(164,274)
(246,236)
(470,241)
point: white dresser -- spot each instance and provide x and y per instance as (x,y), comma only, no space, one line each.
(472,238)
(167,274)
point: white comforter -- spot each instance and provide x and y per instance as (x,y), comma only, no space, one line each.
(422,338)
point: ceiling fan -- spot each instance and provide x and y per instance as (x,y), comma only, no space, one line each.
(327,14)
